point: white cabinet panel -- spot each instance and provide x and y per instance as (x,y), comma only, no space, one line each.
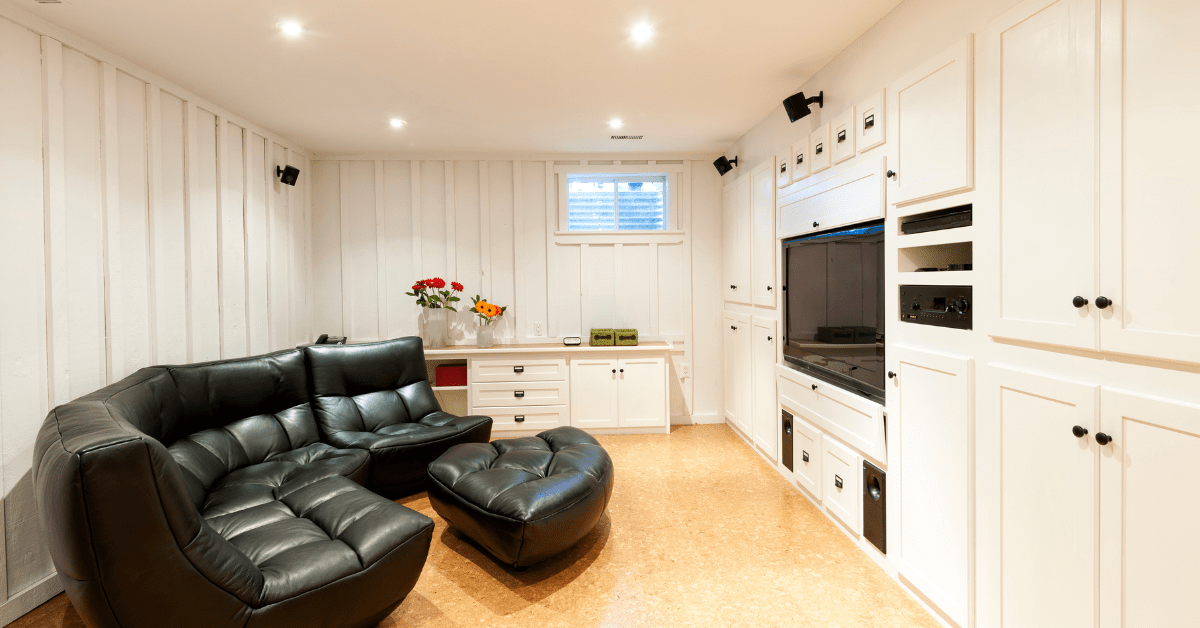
(1150,212)
(1148,512)
(800,160)
(1049,487)
(519,394)
(842,136)
(807,456)
(736,232)
(519,370)
(932,444)
(1042,94)
(818,143)
(532,418)
(933,126)
(870,120)
(763,245)
(843,484)
(641,392)
(841,198)
(738,404)
(594,393)
(783,173)
(766,417)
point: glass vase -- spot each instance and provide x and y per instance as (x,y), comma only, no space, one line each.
(435,328)
(485,336)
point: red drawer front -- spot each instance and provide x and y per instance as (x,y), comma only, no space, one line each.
(451,375)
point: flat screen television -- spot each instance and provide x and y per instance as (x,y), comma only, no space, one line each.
(834,308)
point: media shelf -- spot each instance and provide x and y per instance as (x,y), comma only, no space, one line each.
(947,278)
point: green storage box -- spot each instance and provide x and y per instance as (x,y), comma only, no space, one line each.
(626,337)
(603,338)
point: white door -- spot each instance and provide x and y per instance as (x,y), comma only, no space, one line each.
(766,415)
(1042,97)
(1149,549)
(642,392)
(1049,500)
(736,211)
(729,381)
(740,374)
(932,423)
(1150,212)
(593,393)
(763,244)
(933,128)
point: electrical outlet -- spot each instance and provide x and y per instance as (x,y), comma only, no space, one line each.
(537,329)
(685,369)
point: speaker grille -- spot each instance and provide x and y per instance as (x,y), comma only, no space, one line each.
(627,137)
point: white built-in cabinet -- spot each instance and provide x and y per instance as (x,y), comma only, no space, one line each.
(1096,526)
(764,347)
(738,371)
(736,232)
(624,392)
(931,401)
(932,125)
(1096,201)
(763,245)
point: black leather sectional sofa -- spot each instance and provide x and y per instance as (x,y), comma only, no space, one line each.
(250,492)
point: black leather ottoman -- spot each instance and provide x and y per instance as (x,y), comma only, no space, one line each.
(524,499)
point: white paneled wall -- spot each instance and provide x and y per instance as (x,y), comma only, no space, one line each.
(380,224)
(138,225)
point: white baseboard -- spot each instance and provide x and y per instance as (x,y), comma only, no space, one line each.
(32,597)
(696,419)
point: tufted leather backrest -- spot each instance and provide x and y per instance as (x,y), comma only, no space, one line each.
(361,388)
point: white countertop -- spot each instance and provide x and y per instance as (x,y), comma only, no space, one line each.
(652,346)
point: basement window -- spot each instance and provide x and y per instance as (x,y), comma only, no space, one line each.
(617,202)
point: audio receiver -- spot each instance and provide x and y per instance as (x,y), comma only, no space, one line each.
(940,306)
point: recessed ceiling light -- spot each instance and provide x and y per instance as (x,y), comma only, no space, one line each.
(615,124)
(291,29)
(642,32)
(396,123)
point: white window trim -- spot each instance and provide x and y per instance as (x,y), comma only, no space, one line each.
(674,174)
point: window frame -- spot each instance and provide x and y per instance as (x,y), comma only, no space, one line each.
(617,180)
(671,229)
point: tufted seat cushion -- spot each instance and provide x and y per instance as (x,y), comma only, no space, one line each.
(376,397)
(524,499)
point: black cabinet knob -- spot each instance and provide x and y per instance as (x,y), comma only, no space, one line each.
(891,374)
(1103,438)
(768,288)
(891,174)
(814,386)
(733,327)
(614,370)
(622,370)
(1103,302)
(1079,301)
(732,287)
(816,224)
(1079,431)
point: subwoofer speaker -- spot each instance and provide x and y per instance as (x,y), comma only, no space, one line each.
(787,440)
(875,506)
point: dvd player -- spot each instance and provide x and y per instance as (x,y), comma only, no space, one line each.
(937,220)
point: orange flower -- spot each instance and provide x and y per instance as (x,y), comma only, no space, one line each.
(482,307)
(493,311)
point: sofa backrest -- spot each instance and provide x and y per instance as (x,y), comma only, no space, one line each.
(364,387)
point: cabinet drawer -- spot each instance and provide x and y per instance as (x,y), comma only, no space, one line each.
(518,370)
(841,466)
(518,394)
(806,456)
(844,415)
(524,418)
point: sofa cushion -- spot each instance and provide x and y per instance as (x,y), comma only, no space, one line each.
(281,475)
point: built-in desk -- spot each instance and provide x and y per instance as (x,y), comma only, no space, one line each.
(528,388)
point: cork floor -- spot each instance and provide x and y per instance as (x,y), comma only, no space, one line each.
(700,532)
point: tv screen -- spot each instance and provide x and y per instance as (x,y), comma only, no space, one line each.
(834,308)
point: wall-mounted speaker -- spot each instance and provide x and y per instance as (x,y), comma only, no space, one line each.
(797,106)
(724,165)
(287,174)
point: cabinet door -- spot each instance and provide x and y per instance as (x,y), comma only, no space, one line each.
(931,401)
(729,383)
(593,393)
(1049,488)
(736,211)
(642,392)
(933,126)
(807,456)
(766,414)
(763,241)
(1042,98)
(738,404)
(1150,212)
(1148,512)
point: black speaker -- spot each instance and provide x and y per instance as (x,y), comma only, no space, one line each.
(724,165)
(875,506)
(797,106)
(287,174)
(787,440)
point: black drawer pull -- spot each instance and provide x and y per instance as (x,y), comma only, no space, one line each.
(869,121)
(804,456)
(837,481)
(814,386)
(783,167)
(841,136)
(518,393)
(518,369)
(520,418)
(820,148)
(799,158)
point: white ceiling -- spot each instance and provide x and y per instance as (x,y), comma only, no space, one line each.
(507,76)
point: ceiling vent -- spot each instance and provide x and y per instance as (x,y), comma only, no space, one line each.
(48,1)
(626,137)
